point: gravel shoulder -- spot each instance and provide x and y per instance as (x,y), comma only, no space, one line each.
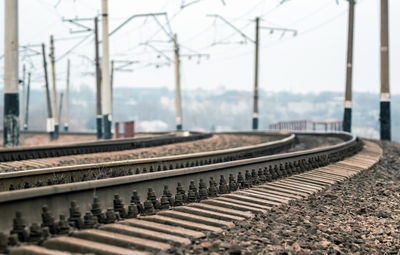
(32,140)
(44,139)
(358,216)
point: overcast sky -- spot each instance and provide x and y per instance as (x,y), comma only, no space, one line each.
(314,60)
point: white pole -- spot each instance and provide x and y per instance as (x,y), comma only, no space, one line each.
(256,62)
(22,111)
(106,85)
(11,100)
(53,72)
(66,121)
(177,85)
(27,102)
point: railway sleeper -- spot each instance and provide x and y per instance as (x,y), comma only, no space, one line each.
(95,174)
(215,207)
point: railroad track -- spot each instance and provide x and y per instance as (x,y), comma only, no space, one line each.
(246,187)
(95,171)
(35,152)
(216,142)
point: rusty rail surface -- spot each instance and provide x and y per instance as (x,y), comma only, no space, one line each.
(58,198)
(34,152)
(94,171)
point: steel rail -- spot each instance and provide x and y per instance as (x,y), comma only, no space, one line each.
(58,197)
(68,174)
(34,152)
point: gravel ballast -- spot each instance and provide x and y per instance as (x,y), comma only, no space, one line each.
(358,216)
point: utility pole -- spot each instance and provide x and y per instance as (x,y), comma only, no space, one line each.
(106,85)
(11,100)
(256,42)
(66,120)
(385,89)
(256,59)
(112,80)
(28,90)
(178,85)
(349,71)
(99,127)
(53,72)
(50,119)
(103,85)
(23,93)
(60,107)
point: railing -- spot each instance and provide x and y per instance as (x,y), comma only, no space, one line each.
(307,125)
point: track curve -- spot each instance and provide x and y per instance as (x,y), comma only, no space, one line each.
(58,197)
(95,171)
(35,152)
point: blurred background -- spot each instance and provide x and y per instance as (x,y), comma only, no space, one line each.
(302,75)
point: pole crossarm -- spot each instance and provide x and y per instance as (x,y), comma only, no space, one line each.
(246,37)
(29,51)
(125,63)
(136,16)
(196,55)
(75,22)
(284,30)
(184,5)
(31,48)
(170,33)
(157,50)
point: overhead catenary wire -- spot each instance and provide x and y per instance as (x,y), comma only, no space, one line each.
(300,34)
(66,53)
(305,17)
(232,19)
(84,39)
(236,29)
(133,51)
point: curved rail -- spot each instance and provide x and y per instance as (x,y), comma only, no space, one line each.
(23,153)
(94,171)
(58,197)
